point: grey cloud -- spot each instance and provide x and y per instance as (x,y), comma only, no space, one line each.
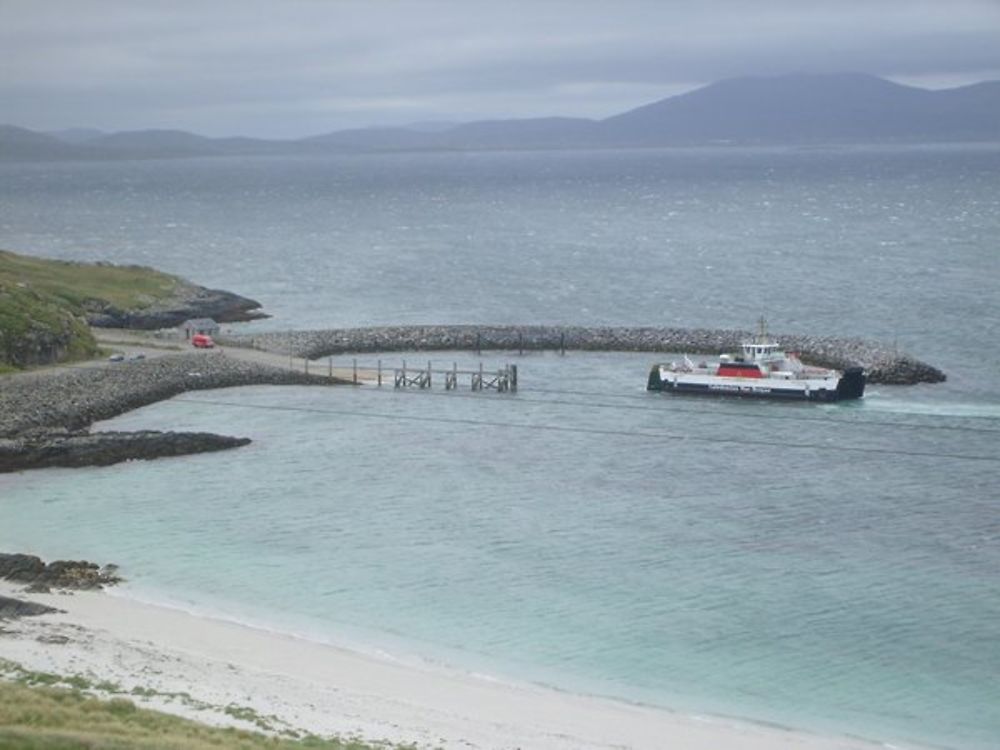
(304,66)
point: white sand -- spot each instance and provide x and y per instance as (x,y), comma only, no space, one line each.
(328,690)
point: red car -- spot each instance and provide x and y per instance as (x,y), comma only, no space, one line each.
(202,341)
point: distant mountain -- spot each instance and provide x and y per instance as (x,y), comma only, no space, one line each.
(792,109)
(165,143)
(19,144)
(76,135)
(371,139)
(548,132)
(811,108)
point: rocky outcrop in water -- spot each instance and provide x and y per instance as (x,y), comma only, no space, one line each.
(63,574)
(48,449)
(190,301)
(883,364)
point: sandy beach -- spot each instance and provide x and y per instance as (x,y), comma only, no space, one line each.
(331,691)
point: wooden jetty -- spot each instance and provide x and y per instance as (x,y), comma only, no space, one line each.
(502,380)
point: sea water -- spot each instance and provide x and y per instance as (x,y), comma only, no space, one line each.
(829,567)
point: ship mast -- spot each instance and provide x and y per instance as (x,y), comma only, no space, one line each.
(762,332)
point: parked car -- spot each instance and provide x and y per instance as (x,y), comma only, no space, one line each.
(202,341)
(116,357)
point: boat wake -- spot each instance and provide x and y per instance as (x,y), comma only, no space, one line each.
(873,403)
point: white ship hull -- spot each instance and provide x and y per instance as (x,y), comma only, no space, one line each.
(835,387)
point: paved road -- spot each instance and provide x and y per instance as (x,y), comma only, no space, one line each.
(132,344)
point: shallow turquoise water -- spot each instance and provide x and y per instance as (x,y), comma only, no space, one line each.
(685,553)
(826,567)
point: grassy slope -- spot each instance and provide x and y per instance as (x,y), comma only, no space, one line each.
(125,287)
(46,299)
(38,718)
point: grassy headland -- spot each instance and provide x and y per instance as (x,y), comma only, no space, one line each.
(44,304)
(88,287)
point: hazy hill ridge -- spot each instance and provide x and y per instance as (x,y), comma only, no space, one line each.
(792,109)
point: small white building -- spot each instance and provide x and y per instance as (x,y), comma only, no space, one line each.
(205,326)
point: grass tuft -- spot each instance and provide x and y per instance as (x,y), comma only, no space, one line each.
(36,716)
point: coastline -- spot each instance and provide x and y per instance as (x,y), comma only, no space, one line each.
(297,683)
(329,690)
(45,416)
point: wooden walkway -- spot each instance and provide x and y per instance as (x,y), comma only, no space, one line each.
(500,380)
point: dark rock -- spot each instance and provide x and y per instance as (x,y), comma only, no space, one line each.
(59,640)
(105,448)
(17,567)
(73,574)
(190,302)
(11,608)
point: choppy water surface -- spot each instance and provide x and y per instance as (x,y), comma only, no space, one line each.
(828,567)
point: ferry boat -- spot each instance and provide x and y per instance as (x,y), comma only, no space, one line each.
(760,370)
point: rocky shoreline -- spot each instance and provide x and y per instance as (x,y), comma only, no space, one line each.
(882,363)
(39,577)
(44,417)
(188,301)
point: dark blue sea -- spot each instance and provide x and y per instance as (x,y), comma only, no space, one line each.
(834,568)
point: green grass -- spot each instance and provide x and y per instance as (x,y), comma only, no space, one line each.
(78,284)
(51,718)
(43,304)
(30,319)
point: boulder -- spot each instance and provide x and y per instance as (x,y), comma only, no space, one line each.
(66,574)
(11,608)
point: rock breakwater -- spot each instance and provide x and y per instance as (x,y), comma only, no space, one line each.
(883,364)
(43,417)
(74,399)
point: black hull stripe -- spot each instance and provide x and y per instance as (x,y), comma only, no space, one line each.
(784,394)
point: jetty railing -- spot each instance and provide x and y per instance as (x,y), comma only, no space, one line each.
(502,379)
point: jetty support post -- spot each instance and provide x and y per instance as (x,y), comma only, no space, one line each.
(355,371)
(477,379)
(520,343)
(513,378)
(380,373)
(329,364)
(428,383)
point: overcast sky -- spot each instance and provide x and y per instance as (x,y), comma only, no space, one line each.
(292,68)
